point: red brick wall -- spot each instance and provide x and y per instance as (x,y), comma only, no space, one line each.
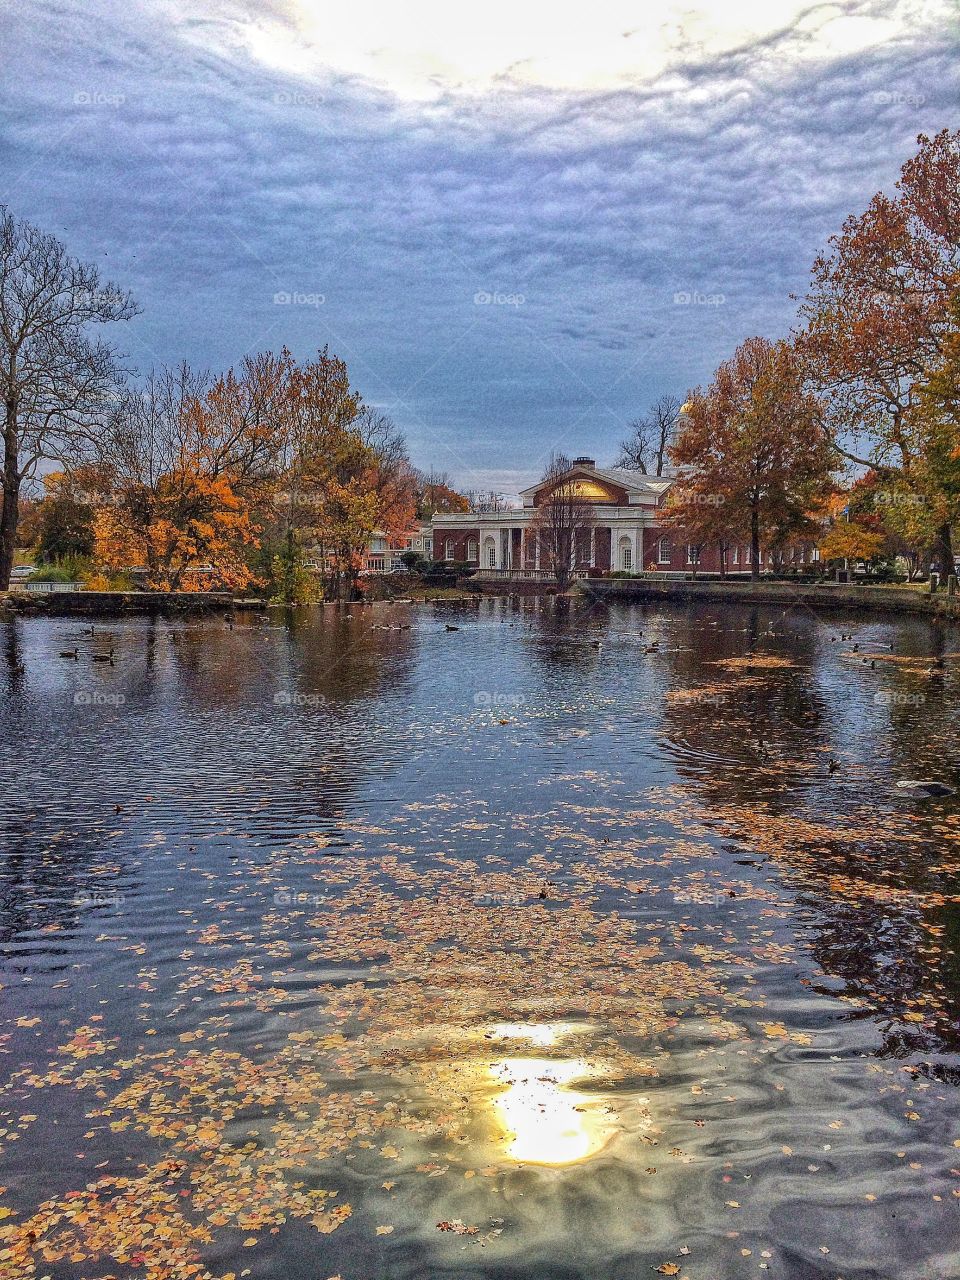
(459,538)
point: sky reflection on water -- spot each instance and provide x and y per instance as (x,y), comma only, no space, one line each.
(548,962)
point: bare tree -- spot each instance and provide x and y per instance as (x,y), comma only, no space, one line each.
(562,518)
(647,448)
(56,383)
(394,480)
(484,501)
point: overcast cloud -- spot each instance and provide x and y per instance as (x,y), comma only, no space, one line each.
(510,260)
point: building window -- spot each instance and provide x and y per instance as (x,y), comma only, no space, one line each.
(736,555)
(663,551)
(375,564)
(491,556)
(448,549)
(693,554)
(626,557)
(472,550)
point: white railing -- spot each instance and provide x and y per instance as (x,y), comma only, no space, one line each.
(510,575)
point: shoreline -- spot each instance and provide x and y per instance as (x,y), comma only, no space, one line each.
(846,596)
(64,603)
(832,596)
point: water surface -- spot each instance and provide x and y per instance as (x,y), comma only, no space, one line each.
(573,942)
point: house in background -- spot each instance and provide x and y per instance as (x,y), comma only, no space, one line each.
(383,552)
(626,531)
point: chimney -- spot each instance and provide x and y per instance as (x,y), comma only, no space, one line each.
(584,462)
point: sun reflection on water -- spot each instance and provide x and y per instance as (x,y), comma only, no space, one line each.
(543,1118)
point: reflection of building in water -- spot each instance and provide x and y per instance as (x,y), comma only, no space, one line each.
(624,530)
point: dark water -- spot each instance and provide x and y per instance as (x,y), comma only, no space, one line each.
(346,944)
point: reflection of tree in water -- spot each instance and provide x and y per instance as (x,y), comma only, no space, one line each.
(884,958)
(745,733)
(199,747)
(762,748)
(11,646)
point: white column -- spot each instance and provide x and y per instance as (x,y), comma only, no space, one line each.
(593,546)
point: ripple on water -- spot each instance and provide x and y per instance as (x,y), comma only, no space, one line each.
(629,981)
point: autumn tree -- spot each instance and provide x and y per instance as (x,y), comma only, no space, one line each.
(647,447)
(850,541)
(701,513)
(56,382)
(66,513)
(885,505)
(877,316)
(936,424)
(183,463)
(345,470)
(435,494)
(394,479)
(562,520)
(750,450)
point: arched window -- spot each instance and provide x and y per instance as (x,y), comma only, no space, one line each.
(491,553)
(448,549)
(663,551)
(626,554)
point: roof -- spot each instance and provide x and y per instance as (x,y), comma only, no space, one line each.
(636,481)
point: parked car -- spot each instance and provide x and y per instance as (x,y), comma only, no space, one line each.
(22,571)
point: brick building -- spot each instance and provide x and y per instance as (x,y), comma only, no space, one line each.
(626,532)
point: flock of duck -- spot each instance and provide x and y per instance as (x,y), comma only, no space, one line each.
(90,633)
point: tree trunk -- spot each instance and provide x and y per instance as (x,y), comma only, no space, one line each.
(944,552)
(288,573)
(561,559)
(754,545)
(723,560)
(10,513)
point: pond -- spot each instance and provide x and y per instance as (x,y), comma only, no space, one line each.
(523,939)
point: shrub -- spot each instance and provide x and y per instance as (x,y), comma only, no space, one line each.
(69,569)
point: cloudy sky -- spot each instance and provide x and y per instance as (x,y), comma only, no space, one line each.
(518,222)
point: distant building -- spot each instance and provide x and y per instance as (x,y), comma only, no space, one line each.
(383,552)
(626,531)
